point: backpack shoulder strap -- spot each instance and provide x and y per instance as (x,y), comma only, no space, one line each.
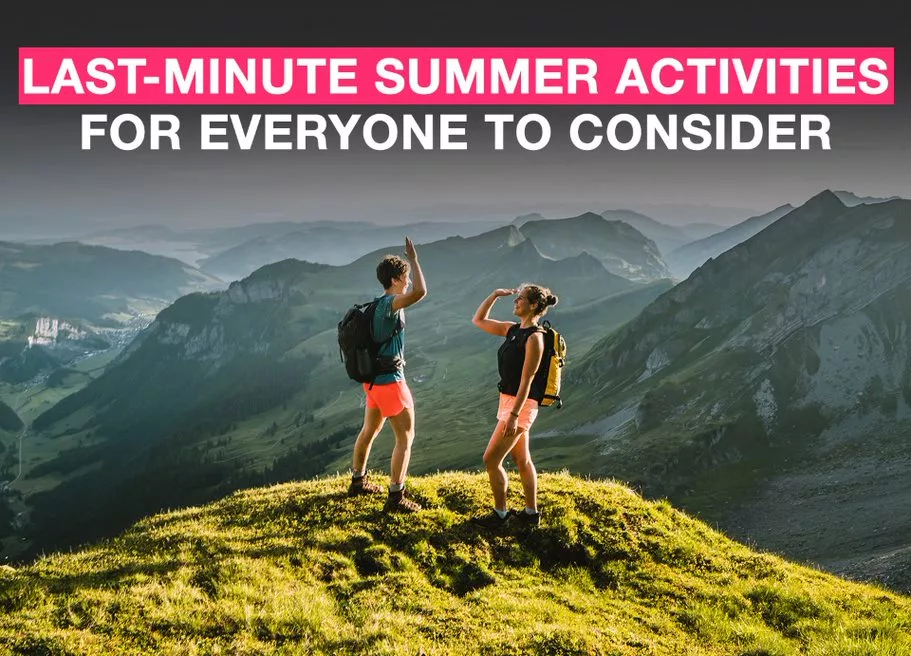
(371,311)
(370,308)
(538,329)
(550,337)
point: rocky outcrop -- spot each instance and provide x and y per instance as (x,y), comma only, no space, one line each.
(48,330)
(255,291)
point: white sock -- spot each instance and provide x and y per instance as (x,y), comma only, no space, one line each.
(358,474)
(530,511)
(395,487)
(502,513)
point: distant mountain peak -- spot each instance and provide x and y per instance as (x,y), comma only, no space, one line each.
(822,204)
(586,218)
(589,216)
(287,268)
(826,196)
(586,264)
(851,199)
(525,218)
(585,256)
(624,214)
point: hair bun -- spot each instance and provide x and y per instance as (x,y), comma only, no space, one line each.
(550,300)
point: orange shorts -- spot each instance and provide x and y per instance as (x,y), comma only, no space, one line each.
(390,398)
(526,415)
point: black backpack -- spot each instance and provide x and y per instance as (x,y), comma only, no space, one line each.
(357,348)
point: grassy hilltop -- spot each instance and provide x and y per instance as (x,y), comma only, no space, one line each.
(298,568)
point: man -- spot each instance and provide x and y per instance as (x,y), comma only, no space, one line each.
(389,397)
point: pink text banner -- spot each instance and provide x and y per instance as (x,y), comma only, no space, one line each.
(456,76)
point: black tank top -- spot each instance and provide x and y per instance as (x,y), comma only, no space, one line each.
(511,360)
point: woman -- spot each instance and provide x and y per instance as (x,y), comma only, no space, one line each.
(521,390)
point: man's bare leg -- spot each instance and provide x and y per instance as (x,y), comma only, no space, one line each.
(403,427)
(373,423)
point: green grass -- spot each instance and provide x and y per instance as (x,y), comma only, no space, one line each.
(299,568)
(12,330)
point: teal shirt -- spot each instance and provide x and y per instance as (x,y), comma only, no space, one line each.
(384,322)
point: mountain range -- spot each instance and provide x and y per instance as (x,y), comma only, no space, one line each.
(684,259)
(766,392)
(666,237)
(232,253)
(327,243)
(623,250)
(777,371)
(76,281)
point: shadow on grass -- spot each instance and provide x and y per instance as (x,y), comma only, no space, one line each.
(450,551)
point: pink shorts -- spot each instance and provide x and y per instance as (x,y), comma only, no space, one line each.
(526,415)
(390,398)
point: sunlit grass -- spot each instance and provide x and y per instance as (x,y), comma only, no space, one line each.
(299,568)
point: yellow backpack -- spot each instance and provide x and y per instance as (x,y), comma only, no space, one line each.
(552,361)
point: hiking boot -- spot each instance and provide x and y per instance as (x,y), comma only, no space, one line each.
(524,519)
(399,502)
(362,485)
(490,520)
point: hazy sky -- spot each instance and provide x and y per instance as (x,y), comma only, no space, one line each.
(47,181)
